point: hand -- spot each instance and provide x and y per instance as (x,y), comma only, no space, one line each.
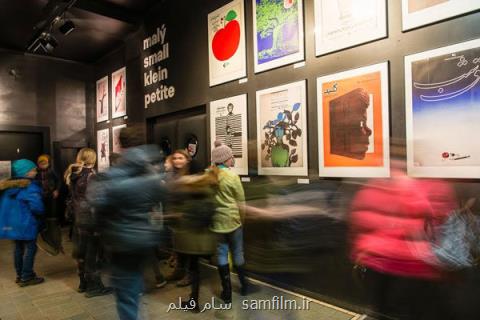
(55,194)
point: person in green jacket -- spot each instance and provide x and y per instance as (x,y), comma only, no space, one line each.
(227,219)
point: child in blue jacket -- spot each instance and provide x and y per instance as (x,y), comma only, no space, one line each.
(20,206)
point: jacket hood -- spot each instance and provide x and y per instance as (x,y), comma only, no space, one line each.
(14,183)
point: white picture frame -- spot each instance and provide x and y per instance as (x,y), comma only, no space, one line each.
(341,24)
(116,147)
(119,93)
(346,149)
(417,13)
(226,43)
(228,124)
(269,56)
(442,89)
(102,99)
(270,104)
(103,149)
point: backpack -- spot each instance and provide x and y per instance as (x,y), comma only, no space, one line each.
(456,243)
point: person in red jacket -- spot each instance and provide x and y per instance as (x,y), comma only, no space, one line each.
(389,243)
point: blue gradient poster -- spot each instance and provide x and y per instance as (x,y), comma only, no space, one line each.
(443,111)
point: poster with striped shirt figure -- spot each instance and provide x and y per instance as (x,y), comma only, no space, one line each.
(228,124)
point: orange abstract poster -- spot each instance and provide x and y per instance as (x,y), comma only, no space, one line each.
(353,123)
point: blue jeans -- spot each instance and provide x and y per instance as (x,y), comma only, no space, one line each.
(24,255)
(127,281)
(234,242)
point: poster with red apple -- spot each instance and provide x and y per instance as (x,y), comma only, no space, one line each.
(226,43)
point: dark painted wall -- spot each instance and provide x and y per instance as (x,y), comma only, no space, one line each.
(186,23)
(47,93)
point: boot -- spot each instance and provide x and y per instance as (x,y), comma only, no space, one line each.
(95,287)
(224,273)
(244,284)
(83,283)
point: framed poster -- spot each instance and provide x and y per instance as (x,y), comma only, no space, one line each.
(119,93)
(443,115)
(103,149)
(416,13)
(228,123)
(340,24)
(282,130)
(226,43)
(278,33)
(102,99)
(116,147)
(5,170)
(353,128)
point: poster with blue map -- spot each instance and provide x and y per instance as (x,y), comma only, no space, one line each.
(443,111)
(278,33)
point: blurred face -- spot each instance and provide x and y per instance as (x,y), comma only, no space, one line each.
(179,161)
(32,173)
(43,165)
(230,162)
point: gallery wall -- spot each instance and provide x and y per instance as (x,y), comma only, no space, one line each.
(188,72)
(46,92)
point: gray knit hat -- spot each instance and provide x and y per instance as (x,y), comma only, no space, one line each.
(221,153)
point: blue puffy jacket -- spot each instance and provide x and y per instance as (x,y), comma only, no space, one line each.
(20,205)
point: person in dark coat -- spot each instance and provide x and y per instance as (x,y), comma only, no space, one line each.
(124,199)
(21,207)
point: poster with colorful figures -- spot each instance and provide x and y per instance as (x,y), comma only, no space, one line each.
(353,128)
(228,123)
(102,99)
(226,43)
(282,130)
(443,111)
(103,149)
(119,93)
(278,37)
(342,24)
(416,13)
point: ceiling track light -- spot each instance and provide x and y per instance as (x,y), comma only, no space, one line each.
(67,27)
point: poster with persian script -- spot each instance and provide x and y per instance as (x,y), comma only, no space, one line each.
(282,130)
(102,99)
(228,124)
(278,37)
(226,43)
(103,149)
(353,128)
(119,93)
(341,24)
(443,111)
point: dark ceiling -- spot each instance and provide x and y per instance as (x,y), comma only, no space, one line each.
(100,25)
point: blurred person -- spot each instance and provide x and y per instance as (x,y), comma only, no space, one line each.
(191,201)
(50,239)
(227,219)
(390,247)
(124,199)
(21,208)
(86,238)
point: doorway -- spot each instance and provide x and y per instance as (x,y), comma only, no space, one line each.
(19,142)
(185,129)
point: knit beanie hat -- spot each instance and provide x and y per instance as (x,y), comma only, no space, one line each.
(221,153)
(43,159)
(20,168)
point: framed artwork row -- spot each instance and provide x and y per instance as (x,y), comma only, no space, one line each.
(278,29)
(117,93)
(103,145)
(442,90)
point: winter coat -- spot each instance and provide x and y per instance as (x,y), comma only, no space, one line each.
(49,181)
(388,222)
(83,215)
(124,199)
(20,207)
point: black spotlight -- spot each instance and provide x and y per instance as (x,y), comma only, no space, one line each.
(67,27)
(50,43)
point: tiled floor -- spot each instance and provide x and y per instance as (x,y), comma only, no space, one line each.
(57,298)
